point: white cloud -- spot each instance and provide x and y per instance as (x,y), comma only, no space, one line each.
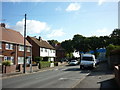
(100,2)
(73,7)
(56,33)
(32,26)
(104,30)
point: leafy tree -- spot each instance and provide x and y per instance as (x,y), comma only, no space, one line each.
(115,37)
(68,46)
(94,44)
(53,42)
(80,43)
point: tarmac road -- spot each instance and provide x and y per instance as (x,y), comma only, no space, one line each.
(60,77)
(100,78)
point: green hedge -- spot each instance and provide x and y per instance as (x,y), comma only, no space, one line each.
(112,50)
(44,64)
(6,63)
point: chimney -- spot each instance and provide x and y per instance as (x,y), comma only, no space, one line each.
(40,39)
(2,25)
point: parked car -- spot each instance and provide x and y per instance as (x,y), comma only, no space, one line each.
(73,62)
(88,60)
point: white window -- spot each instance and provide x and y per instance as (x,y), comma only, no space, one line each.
(9,46)
(45,50)
(28,49)
(0,45)
(10,58)
(20,60)
(21,48)
(53,51)
(41,49)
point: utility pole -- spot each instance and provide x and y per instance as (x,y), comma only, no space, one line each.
(24,70)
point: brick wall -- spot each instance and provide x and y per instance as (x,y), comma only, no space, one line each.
(9,69)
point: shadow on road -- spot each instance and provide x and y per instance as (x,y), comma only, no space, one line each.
(102,69)
(110,83)
(73,69)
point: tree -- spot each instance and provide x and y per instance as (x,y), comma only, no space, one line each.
(53,42)
(94,44)
(115,37)
(68,46)
(81,43)
(104,41)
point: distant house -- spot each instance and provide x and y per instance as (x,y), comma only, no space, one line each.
(76,54)
(12,46)
(41,48)
(60,52)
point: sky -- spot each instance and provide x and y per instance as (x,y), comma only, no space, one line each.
(61,20)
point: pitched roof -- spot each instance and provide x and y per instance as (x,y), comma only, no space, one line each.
(41,43)
(11,36)
(59,47)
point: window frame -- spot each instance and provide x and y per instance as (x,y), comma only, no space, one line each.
(21,48)
(9,46)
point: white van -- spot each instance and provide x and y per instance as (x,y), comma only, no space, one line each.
(87,60)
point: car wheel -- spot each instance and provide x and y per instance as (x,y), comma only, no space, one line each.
(81,67)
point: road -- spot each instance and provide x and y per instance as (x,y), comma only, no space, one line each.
(59,77)
(100,78)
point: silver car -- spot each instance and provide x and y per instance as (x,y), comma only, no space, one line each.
(73,62)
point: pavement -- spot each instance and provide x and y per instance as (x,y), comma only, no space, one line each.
(14,74)
(100,78)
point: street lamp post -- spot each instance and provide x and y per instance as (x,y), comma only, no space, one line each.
(24,70)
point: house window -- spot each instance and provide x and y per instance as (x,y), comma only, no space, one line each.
(20,60)
(0,45)
(28,49)
(45,50)
(21,48)
(9,46)
(41,49)
(53,51)
(10,58)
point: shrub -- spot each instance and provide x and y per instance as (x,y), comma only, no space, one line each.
(56,63)
(38,59)
(112,49)
(6,63)
(44,64)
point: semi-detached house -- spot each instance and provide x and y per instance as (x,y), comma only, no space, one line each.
(12,46)
(41,48)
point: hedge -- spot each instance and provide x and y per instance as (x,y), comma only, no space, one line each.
(44,64)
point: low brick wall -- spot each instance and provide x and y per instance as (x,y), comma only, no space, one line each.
(34,68)
(9,69)
(117,74)
(113,60)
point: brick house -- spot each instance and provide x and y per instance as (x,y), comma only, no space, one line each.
(12,46)
(41,48)
(60,52)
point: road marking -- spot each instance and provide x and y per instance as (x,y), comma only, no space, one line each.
(62,78)
(79,80)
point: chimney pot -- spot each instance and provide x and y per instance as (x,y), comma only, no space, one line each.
(2,25)
(40,38)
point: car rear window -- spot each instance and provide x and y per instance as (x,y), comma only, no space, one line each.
(87,58)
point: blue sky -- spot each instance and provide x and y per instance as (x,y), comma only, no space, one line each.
(61,20)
